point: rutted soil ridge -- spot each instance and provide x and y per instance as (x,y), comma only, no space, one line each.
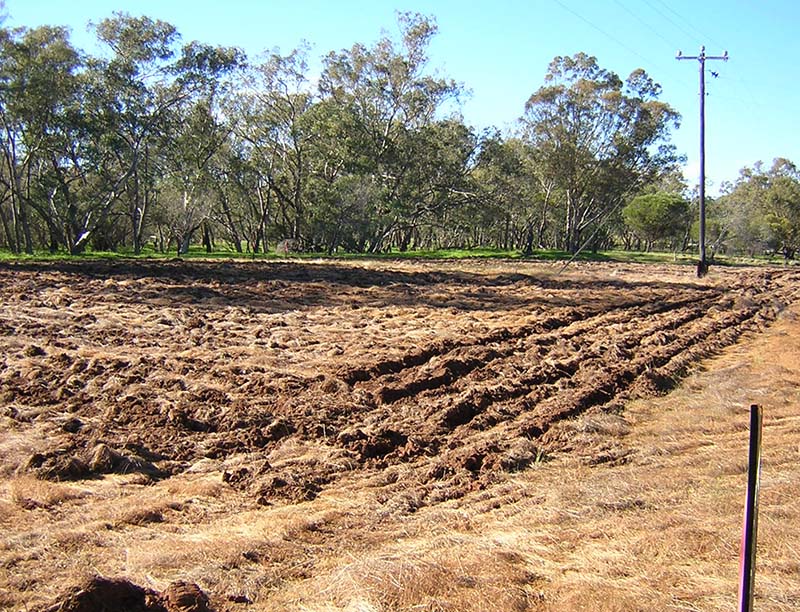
(430,379)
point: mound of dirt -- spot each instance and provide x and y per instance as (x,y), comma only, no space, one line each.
(181,596)
(70,462)
(106,595)
(100,594)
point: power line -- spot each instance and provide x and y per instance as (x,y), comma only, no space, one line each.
(689,23)
(672,21)
(602,31)
(669,43)
(754,103)
(648,61)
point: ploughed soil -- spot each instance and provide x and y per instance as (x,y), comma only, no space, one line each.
(428,380)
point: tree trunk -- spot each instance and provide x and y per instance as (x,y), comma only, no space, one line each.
(232,229)
(405,240)
(183,243)
(263,220)
(208,242)
(568,224)
(24,225)
(54,238)
(142,203)
(26,230)
(543,219)
(7,230)
(138,216)
(528,250)
(138,225)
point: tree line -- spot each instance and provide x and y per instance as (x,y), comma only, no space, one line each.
(153,143)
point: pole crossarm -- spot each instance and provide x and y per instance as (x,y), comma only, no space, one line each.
(702,57)
(702,267)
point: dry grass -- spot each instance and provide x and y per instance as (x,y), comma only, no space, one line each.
(28,493)
(453,573)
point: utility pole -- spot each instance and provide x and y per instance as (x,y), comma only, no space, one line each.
(702,267)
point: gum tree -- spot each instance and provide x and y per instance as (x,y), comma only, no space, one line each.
(392,104)
(271,123)
(763,208)
(38,89)
(134,89)
(657,217)
(600,139)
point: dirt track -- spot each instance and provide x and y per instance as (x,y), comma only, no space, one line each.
(430,380)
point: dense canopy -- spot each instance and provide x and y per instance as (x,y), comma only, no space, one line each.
(155,144)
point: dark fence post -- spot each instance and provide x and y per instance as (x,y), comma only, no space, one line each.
(750,530)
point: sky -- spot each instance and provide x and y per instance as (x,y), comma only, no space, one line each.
(500,50)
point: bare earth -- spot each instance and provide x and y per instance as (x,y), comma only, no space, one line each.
(393,436)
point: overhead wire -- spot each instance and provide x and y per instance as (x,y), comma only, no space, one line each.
(704,35)
(748,100)
(673,22)
(601,30)
(647,60)
(643,22)
(689,23)
(719,93)
(678,27)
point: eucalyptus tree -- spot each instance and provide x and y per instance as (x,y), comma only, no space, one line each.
(244,207)
(194,133)
(762,209)
(186,187)
(515,194)
(12,231)
(389,99)
(226,181)
(140,93)
(781,206)
(269,126)
(437,179)
(599,139)
(134,88)
(343,196)
(658,217)
(58,157)
(38,83)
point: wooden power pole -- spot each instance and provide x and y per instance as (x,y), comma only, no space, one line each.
(702,267)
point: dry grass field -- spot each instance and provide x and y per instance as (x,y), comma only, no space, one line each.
(393,436)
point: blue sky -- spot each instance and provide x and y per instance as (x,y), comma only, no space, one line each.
(500,51)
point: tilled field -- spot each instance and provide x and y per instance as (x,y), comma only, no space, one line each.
(429,380)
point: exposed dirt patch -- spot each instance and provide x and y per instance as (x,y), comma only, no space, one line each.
(99,594)
(420,382)
(446,371)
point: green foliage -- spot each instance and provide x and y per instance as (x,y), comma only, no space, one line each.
(762,210)
(598,139)
(657,217)
(157,147)
(389,104)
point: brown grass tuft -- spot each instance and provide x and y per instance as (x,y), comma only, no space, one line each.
(447,574)
(29,493)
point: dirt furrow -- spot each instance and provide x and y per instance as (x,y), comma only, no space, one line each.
(294,376)
(591,384)
(548,359)
(458,358)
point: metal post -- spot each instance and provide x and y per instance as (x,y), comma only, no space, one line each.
(747,573)
(702,267)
